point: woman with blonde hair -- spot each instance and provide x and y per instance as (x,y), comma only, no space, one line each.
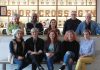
(70,50)
(17,49)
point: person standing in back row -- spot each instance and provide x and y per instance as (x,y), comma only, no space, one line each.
(14,24)
(34,24)
(72,23)
(89,24)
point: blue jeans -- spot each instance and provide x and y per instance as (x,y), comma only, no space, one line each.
(50,62)
(19,62)
(67,56)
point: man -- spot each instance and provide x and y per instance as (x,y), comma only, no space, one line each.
(35,46)
(34,24)
(88,24)
(14,24)
(72,23)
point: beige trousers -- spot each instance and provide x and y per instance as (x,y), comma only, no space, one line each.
(82,61)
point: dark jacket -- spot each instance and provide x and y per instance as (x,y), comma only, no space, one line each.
(30,44)
(70,46)
(17,48)
(38,25)
(71,25)
(57,46)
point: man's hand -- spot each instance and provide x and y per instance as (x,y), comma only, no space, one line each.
(40,51)
(34,53)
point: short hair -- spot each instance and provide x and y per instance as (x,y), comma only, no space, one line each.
(74,12)
(34,15)
(15,32)
(34,30)
(15,15)
(88,14)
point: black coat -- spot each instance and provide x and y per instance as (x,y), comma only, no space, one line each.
(71,25)
(70,46)
(29,26)
(30,44)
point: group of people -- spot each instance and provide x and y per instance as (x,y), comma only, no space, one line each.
(70,50)
(73,23)
(34,49)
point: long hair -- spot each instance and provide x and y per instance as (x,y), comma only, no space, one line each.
(66,35)
(55,38)
(50,23)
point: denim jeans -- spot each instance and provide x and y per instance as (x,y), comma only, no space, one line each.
(19,62)
(66,59)
(50,62)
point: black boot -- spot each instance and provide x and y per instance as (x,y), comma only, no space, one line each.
(40,68)
(62,67)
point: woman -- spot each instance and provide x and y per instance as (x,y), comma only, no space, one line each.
(52,49)
(70,50)
(86,51)
(17,48)
(52,26)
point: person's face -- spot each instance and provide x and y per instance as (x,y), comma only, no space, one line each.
(86,35)
(34,34)
(19,35)
(52,35)
(34,17)
(73,15)
(53,24)
(16,19)
(70,36)
(88,18)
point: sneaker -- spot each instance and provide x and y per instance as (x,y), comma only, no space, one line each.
(62,67)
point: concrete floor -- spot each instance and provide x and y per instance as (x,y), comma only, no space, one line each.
(12,67)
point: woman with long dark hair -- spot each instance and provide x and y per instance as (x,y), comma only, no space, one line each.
(52,26)
(52,46)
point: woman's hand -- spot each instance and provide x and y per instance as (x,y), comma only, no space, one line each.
(50,54)
(70,61)
(20,58)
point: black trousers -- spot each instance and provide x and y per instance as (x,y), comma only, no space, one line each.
(35,60)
